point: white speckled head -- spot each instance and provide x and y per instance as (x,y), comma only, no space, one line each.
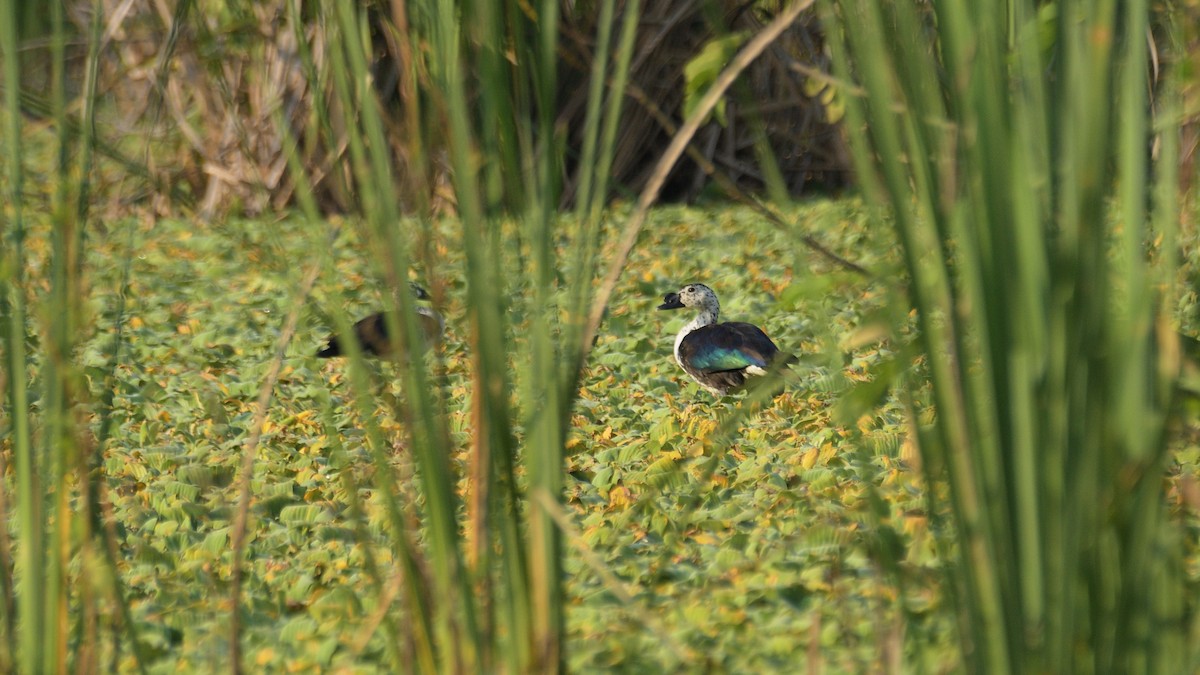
(699,296)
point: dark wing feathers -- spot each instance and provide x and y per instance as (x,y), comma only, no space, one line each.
(371,334)
(726,347)
(725,381)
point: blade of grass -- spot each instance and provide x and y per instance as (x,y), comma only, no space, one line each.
(240,524)
(415,585)
(29,586)
(594,185)
(629,235)
(545,403)
(8,603)
(618,588)
(59,448)
(454,627)
(494,447)
(1035,309)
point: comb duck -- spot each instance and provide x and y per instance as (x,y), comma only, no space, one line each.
(718,356)
(372,333)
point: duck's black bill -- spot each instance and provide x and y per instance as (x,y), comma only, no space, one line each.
(671,301)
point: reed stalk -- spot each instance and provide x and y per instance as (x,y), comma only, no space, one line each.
(1011,143)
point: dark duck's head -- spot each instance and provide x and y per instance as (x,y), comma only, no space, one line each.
(418,291)
(371,332)
(718,356)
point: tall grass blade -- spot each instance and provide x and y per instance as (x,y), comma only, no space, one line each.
(599,147)
(683,136)
(1016,174)
(60,451)
(31,540)
(494,445)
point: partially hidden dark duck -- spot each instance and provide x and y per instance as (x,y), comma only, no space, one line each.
(372,334)
(718,356)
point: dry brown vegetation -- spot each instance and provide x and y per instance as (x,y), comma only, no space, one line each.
(223,89)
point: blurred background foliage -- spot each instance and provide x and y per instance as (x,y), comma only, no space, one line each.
(214,82)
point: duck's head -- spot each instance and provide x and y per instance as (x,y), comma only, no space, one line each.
(692,295)
(418,292)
